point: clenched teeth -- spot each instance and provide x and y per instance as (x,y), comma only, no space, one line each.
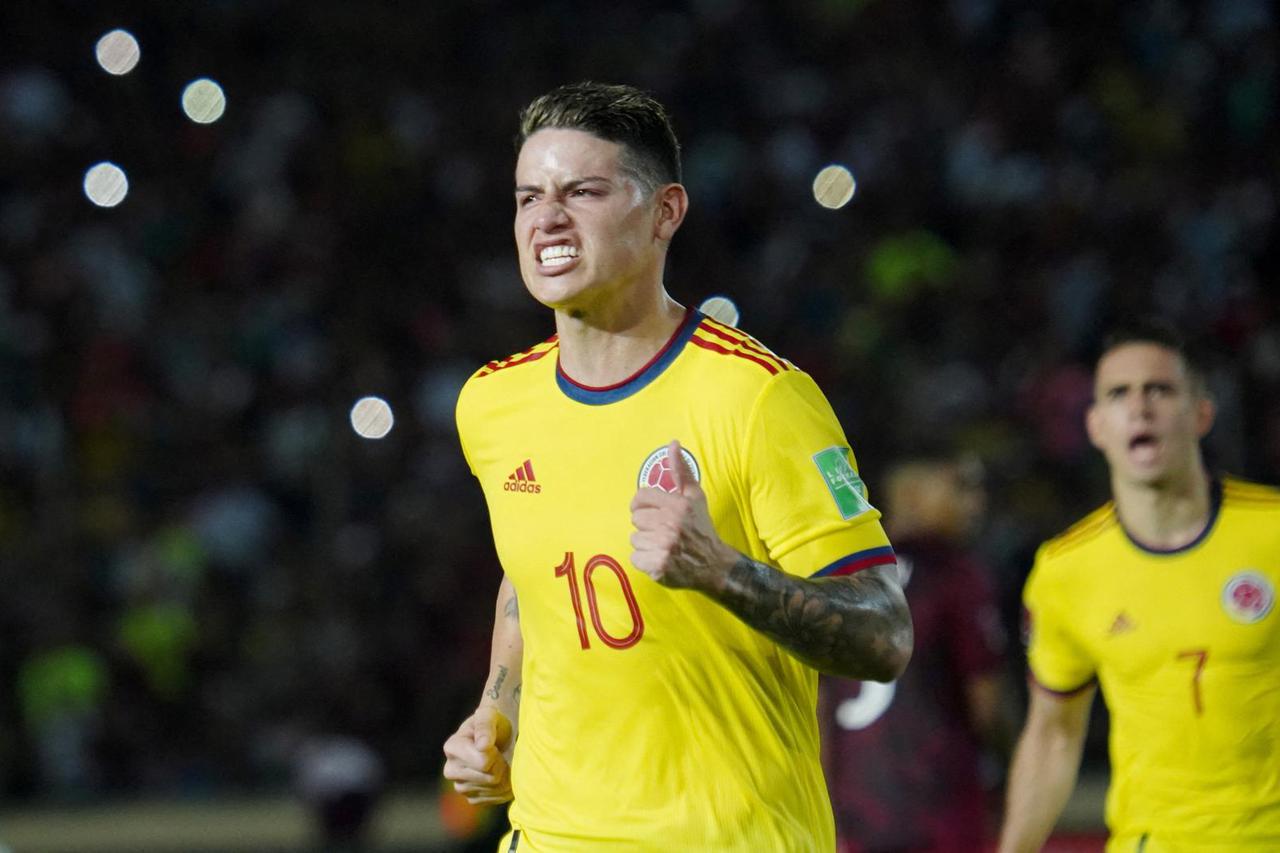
(554,256)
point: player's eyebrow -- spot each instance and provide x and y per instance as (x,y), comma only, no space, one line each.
(568,185)
(1114,388)
(1125,385)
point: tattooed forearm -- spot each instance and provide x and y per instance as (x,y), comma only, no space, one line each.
(495,691)
(857,626)
(512,609)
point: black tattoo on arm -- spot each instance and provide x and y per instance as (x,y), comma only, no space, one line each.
(857,626)
(496,690)
(512,609)
(516,693)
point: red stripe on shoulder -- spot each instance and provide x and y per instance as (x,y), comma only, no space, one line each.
(867,560)
(1257,500)
(1094,524)
(743,340)
(714,347)
(533,353)
(1240,491)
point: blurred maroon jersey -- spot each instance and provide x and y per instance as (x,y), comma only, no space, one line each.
(902,758)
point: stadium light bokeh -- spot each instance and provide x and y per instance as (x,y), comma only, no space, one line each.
(834,186)
(721,308)
(371,417)
(118,52)
(106,184)
(203,101)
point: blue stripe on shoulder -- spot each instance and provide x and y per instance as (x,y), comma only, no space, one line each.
(858,561)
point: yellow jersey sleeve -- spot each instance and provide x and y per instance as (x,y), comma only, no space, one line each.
(807,502)
(1057,661)
(462,418)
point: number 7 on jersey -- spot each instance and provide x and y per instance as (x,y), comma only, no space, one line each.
(1200,656)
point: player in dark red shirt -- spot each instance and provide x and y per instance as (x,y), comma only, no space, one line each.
(902,759)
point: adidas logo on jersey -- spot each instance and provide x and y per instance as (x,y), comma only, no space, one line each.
(1122,625)
(522,480)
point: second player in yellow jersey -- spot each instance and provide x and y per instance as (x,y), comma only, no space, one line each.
(1164,599)
(1186,647)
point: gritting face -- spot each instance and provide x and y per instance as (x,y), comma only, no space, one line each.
(584,229)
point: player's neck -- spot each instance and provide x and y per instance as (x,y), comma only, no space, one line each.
(605,346)
(1167,515)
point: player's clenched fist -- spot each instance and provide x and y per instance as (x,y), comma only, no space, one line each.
(674,540)
(477,757)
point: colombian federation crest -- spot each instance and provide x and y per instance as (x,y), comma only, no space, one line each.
(656,471)
(1248,596)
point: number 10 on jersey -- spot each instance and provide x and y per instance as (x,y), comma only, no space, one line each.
(568,570)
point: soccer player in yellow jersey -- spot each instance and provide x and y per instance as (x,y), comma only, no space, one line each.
(684,537)
(1164,598)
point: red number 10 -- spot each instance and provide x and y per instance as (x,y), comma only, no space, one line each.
(567,570)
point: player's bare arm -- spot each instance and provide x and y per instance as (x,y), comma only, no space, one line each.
(502,690)
(856,626)
(1044,769)
(478,754)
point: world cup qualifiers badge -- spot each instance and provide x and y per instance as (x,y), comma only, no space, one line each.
(657,473)
(1248,597)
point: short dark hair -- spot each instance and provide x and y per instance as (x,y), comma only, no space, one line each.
(1161,332)
(623,114)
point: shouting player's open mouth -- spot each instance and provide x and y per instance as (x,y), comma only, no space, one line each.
(1144,447)
(557,258)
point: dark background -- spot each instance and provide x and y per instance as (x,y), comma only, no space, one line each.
(202,567)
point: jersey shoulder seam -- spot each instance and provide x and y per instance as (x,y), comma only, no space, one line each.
(725,340)
(1237,492)
(1083,531)
(533,353)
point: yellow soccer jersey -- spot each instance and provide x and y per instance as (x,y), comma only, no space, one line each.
(1185,645)
(651,718)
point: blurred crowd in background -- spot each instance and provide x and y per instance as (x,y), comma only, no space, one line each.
(204,571)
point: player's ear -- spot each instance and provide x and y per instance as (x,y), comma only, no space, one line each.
(672,205)
(1093,426)
(1206,412)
